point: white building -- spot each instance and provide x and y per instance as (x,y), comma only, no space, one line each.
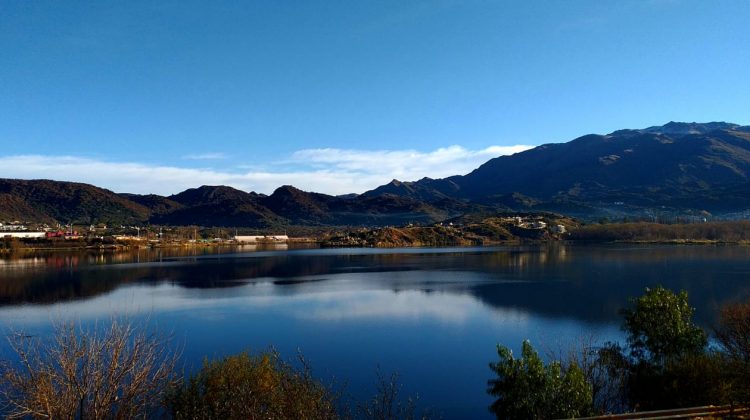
(537,225)
(254,239)
(249,239)
(31,235)
(558,229)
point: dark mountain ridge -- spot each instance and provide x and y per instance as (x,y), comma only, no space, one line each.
(680,165)
(689,168)
(46,201)
(54,201)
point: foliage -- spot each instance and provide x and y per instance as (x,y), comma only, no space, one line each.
(123,371)
(724,231)
(733,331)
(733,336)
(10,244)
(117,372)
(666,364)
(660,327)
(669,365)
(692,380)
(603,369)
(252,386)
(527,388)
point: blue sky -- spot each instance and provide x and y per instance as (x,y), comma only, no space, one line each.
(341,96)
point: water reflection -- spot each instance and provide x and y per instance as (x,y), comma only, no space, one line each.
(587,283)
(410,310)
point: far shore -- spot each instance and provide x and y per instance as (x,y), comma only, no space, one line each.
(79,245)
(478,234)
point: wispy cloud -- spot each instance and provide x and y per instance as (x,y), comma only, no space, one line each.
(206,156)
(331,171)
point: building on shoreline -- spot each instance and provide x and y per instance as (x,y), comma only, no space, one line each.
(254,239)
(23,235)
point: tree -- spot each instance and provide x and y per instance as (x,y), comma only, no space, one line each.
(527,388)
(669,365)
(660,327)
(117,372)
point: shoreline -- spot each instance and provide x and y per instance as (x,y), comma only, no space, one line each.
(320,244)
(489,232)
(130,247)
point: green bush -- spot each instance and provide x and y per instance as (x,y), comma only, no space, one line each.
(666,364)
(660,327)
(527,388)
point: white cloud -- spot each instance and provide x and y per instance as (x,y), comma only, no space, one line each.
(206,156)
(406,165)
(331,171)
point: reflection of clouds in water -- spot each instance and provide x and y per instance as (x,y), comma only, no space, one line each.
(327,304)
(412,304)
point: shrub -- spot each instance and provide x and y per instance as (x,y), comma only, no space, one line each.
(733,331)
(117,372)
(689,381)
(603,369)
(388,403)
(660,327)
(733,337)
(669,365)
(252,386)
(527,388)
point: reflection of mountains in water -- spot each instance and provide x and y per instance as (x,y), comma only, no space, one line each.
(589,283)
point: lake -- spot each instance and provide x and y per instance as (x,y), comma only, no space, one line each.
(433,315)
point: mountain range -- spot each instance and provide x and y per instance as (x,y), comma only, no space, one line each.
(681,168)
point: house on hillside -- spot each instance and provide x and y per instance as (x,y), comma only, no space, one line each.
(558,229)
(537,224)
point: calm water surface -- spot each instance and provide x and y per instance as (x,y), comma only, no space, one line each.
(433,315)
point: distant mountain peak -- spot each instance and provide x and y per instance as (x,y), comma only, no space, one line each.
(686,128)
(678,165)
(211,194)
(287,190)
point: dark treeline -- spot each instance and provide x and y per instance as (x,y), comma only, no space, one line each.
(733,232)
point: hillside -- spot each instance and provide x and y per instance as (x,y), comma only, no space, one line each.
(686,169)
(678,166)
(471,231)
(53,201)
(217,206)
(46,201)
